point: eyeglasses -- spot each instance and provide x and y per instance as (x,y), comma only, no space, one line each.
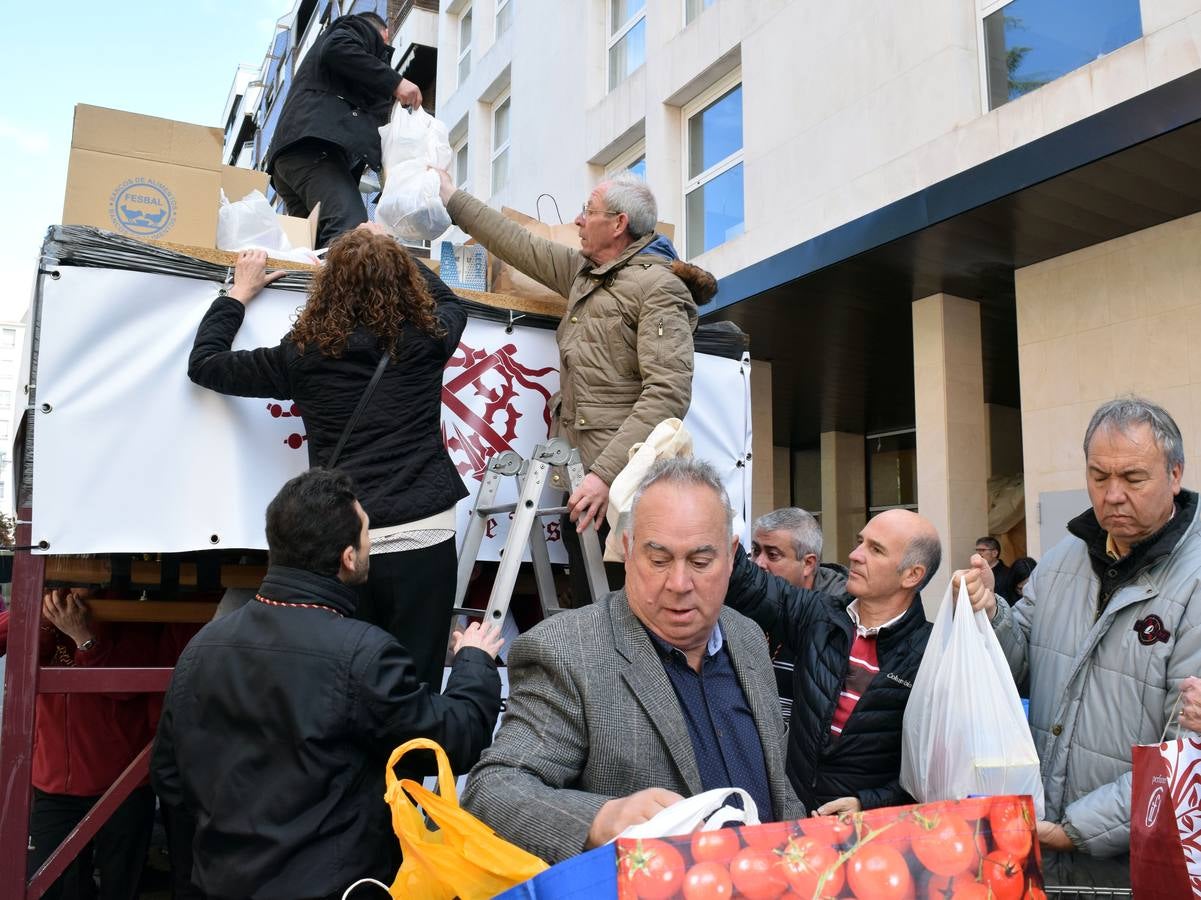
(985,550)
(586,211)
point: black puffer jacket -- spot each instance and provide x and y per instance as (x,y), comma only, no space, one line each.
(865,762)
(276,730)
(341,94)
(395,455)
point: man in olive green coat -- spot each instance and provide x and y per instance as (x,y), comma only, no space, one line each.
(625,340)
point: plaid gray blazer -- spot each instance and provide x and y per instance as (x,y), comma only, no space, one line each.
(593,716)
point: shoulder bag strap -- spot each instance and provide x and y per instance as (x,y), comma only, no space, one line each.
(358,410)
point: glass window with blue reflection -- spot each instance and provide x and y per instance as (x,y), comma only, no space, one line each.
(638,167)
(1032,42)
(715,132)
(628,52)
(714,211)
(713,208)
(693,8)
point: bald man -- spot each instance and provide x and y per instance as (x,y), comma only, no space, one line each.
(856,656)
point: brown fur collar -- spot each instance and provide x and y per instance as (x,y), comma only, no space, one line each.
(702,285)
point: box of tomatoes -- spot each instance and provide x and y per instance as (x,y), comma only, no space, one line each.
(982,847)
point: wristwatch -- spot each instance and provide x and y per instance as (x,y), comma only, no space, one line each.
(87,645)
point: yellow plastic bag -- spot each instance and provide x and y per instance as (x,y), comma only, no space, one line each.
(464,858)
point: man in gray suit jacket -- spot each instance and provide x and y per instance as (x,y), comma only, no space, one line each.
(656,692)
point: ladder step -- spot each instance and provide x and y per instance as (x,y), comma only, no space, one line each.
(485,511)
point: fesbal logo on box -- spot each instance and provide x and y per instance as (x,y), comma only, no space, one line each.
(142,206)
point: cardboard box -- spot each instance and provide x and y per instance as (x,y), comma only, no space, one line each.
(237,182)
(143,177)
(301,232)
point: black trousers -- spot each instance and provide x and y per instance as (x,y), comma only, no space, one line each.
(316,172)
(581,593)
(410,595)
(118,849)
(180,827)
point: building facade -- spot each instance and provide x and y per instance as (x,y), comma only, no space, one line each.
(951,228)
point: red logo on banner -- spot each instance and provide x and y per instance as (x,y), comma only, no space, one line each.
(279,411)
(500,380)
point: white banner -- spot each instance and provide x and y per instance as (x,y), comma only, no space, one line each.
(131,457)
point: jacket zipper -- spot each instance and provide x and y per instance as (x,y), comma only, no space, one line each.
(660,328)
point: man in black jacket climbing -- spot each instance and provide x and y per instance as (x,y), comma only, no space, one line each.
(856,654)
(328,131)
(280,716)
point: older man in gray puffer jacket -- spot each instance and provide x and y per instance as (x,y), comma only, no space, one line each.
(1107,630)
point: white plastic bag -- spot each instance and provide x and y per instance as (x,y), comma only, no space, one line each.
(668,440)
(965,732)
(409,206)
(250,224)
(706,811)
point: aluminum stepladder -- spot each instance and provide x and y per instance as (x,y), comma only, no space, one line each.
(525,530)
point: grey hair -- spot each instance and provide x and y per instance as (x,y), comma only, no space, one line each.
(923,550)
(682,470)
(1124,412)
(806,533)
(629,194)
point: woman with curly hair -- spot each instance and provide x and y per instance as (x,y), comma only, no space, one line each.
(368,301)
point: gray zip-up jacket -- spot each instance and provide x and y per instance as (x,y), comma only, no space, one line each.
(1099,685)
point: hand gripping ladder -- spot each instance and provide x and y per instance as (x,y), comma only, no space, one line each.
(525,529)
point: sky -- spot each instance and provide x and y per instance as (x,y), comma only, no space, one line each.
(169,58)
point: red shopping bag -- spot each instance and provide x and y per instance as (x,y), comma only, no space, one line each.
(1165,820)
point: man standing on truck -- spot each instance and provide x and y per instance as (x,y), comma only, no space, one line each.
(625,340)
(328,131)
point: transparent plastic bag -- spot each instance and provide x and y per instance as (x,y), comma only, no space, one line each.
(409,206)
(965,732)
(250,224)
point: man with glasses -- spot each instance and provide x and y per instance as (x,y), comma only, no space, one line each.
(625,340)
(989,549)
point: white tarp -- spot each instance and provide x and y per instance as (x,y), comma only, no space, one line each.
(131,457)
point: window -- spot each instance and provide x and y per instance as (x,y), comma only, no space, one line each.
(1031,42)
(632,161)
(713,207)
(500,144)
(891,471)
(693,8)
(8,337)
(462,161)
(464,45)
(504,15)
(627,38)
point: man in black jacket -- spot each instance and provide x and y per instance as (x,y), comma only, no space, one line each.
(280,717)
(856,655)
(788,542)
(990,548)
(329,128)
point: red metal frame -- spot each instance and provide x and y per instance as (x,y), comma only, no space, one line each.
(22,685)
